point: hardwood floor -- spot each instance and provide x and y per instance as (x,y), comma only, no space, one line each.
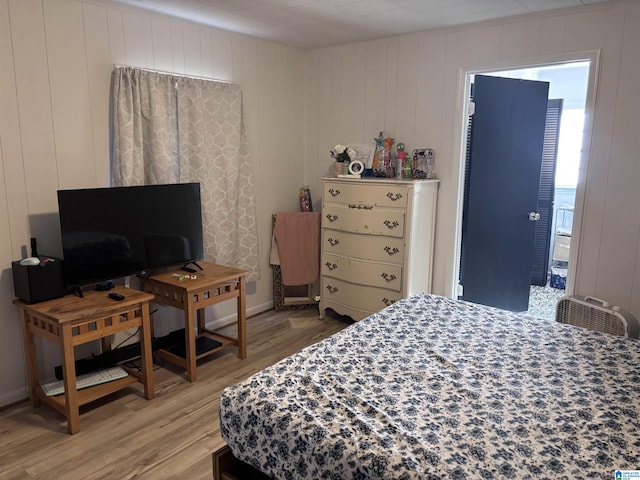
(169,437)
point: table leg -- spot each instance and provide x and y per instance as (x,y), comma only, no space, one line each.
(147,353)
(190,339)
(30,357)
(242,319)
(70,385)
(201,320)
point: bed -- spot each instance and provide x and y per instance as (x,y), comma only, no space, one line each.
(436,388)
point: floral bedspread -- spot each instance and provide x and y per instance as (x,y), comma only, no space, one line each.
(434,388)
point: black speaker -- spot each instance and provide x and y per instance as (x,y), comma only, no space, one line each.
(37,283)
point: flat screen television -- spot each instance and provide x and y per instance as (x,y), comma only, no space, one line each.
(108,233)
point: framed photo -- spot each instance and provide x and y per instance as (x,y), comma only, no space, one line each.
(356,167)
(364,153)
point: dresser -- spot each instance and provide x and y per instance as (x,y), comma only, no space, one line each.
(377,242)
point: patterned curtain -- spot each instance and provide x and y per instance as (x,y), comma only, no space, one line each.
(214,152)
(170,129)
(145,133)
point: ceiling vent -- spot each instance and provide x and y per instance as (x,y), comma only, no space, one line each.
(596,314)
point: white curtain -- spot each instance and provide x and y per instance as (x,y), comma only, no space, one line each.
(170,129)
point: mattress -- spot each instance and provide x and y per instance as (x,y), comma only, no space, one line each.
(435,388)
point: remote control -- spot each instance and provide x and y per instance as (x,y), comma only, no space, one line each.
(115,296)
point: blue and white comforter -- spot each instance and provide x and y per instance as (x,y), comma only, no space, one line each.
(434,388)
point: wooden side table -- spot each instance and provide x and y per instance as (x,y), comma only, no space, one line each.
(71,321)
(192,293)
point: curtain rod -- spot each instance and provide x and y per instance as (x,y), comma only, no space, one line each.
(153,70)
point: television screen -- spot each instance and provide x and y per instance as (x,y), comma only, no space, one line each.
(109,233)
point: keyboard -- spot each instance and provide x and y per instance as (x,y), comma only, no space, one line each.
(86,380)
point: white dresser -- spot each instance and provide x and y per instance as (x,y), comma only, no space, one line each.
(377,242)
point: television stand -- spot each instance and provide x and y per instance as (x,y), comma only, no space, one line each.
(70,321)
(214,284)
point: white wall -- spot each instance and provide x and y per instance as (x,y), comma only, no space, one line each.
(410,87)
(56,58)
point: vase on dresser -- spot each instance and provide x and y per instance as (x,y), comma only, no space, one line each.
(377,242)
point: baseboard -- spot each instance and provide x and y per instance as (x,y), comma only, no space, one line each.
(9,398)
(231,319)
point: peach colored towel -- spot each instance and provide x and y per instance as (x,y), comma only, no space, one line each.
(297,235)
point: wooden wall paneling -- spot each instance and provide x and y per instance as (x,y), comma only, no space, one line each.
(275,163)
(161,28)
(14,225)
(177,45)
(314,169)
(292,89)
(353,82)
(297,123)
(222,55)
(621,225)
(70,102)
(192,49)
(334,100)
(17,231)
(631,18)
(486,45)
(391,91)
(138,39)
(552,35)
(599,154)
(513,42)
(429,100)
(99,68)
(115,25)
(246,59)
(584,31)
(328,112)
(206,53)
(532,34)
(34,101)
(273,137)
(407,81)
(374,89)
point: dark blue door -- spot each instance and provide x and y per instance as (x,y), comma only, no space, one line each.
(503,180)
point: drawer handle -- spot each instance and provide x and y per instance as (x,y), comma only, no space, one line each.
(391,251)
(388,302)
(332,289)
(332,218)
(334,193)
(333,242)
(391,225)
(394,196)
(361,207)
(388,277)
(331,266)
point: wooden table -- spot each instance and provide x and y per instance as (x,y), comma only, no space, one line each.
(71,321)
(192,293)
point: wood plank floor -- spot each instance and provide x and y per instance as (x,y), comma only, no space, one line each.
(169,437)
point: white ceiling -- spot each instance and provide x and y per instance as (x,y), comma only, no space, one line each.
(320,23)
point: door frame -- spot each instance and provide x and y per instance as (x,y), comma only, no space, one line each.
(462,120)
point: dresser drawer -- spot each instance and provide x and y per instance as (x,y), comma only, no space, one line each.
(368,222)
(364,194)
(369,247)
(359,271)
(361,297)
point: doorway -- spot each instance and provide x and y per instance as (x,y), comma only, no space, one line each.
(570,82)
